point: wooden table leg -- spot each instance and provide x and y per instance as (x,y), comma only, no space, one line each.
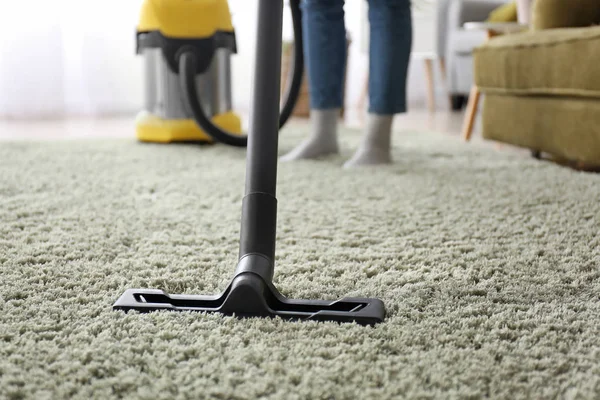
(362,100)
(471,113)
(430,84)
(442,62)
(473,104)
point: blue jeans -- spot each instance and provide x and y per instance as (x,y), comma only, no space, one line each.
(389,53)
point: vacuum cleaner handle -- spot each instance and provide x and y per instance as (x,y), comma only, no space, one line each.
(187,76)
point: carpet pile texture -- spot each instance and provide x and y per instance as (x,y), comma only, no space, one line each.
(488,263)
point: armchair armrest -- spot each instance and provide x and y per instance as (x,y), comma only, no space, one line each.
(549,14)
(452,14)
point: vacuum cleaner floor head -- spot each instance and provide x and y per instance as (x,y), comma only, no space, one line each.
(249,295)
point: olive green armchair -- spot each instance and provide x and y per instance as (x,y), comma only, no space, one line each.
(541,87)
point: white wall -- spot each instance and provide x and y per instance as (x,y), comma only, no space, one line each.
(244,15)
(68,57)
(104,74)
(75,58)
(30,62)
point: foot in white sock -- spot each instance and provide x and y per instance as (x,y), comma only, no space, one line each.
(375,148)
(323,140)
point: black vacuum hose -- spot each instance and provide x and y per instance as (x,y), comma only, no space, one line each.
(295,83)
(187,79)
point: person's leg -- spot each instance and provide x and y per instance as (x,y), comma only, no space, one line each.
(325,56)
(389,53)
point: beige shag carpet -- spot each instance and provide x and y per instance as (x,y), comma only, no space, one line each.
(488,263)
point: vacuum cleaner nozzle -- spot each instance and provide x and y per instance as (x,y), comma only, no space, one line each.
(251,294)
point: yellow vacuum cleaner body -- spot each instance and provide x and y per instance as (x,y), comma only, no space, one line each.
(165,30)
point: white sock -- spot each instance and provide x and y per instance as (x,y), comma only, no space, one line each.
(323,139)
(375,148)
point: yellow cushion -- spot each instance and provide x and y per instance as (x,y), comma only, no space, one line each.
(549,14)
(504,13)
